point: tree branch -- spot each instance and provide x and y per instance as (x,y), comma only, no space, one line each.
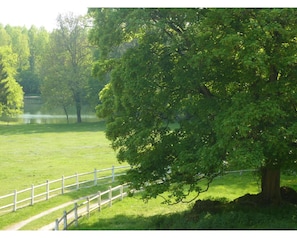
(205,91)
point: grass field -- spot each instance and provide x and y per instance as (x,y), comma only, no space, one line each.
(133,214)
(32,153)
(22,214)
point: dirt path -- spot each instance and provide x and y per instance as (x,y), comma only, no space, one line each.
(51,226)
(21,224)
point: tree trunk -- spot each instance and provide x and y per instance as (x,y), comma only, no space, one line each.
(270,184)
(78,112)
(66,113)
(77,99)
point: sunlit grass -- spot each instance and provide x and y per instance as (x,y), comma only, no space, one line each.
(9,219)
(232,186)
(33,153)
(130,214)
(134,214)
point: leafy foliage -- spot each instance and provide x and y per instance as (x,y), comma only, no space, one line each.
(11,93)
(67,64)
(201,88)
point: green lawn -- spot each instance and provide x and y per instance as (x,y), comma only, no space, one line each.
(32,153)
(133,214)
(25,213)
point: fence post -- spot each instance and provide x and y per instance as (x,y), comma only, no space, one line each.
(88,206)
(63,184)
(32,194)
(112,173)
(75,214)
(99,201)
(95,177)
(110,196)
(57,225)
(47,189)
(77,182)
(65,220)
(15,200)
(122,192)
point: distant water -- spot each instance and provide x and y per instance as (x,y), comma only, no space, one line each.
(28,118)
(34,112)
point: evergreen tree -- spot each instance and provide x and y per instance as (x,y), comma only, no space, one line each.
(11,93)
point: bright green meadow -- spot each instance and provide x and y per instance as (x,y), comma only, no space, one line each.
(133,214)
(32,153)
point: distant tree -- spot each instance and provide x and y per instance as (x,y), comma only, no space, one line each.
(30,82)
(68,62)
(201,89)
(5,39)
(30,47)
(30,78)
(19,45)
(54,97)
(11,93)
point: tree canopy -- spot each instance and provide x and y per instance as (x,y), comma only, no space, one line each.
(199,91)
(11,93)
(67,64)
(29,47)
(55,65)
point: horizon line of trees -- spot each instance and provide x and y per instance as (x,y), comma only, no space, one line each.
(55,64)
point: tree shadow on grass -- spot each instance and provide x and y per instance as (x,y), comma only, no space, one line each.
(124,222)
(52,128)
(236,218)
(211,213)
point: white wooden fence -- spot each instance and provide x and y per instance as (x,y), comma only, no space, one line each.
(90,204)
(41,192)
(96,201)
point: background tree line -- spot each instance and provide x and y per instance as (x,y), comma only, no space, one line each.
(56,65)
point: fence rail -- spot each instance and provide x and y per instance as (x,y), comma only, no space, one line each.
(78,211)
(36,193)
(91,203)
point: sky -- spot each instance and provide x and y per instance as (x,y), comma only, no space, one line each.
(44,12)
(39,12)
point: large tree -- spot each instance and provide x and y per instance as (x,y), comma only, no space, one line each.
(201,90)
(68,63)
